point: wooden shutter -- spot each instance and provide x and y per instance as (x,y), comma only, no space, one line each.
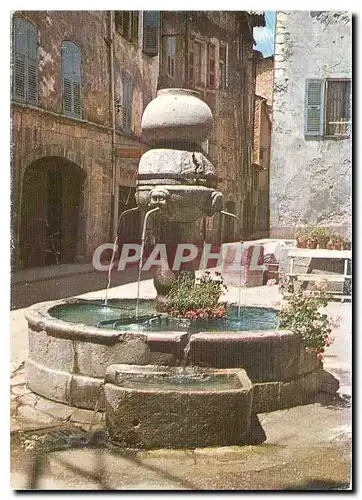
(191,60)
(25,68)
(150,32)
(20,57)
(314,107)
(71,73)
(211,65)
(134,27)
(127,95)
(32,73)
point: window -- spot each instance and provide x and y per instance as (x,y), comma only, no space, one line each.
(71,78)
(150,32)
(127,96)
(223,66)
(170,54)
(126,22)
(338,108)
(197,62)
(211,65)
(328,107)
(25,62)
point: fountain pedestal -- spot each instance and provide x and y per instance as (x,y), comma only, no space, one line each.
(176,175)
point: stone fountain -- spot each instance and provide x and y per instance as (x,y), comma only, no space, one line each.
(91,355)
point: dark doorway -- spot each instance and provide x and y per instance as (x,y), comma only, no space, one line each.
(51,207)
(229,224)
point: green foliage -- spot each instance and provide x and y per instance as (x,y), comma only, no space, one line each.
(320,234)
(193,299)
(302,315)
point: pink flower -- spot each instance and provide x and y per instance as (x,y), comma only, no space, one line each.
(335,321)
(271,282)
(320,356)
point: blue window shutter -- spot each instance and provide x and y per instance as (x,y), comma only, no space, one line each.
(151,32)
(71,77)
(314,107)
(32,76)
(25,62)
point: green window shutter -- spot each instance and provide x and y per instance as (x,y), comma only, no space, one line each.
(71,76)
(151,32)
(25,63)
(314,107)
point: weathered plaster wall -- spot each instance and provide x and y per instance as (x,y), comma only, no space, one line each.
(310,177)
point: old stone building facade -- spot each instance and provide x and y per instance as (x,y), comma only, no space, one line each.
(311,145)
(262,141)
(81,81)
(212,52)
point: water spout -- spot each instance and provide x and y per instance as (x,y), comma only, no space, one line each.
(115,248)
(144,228)
(233,216)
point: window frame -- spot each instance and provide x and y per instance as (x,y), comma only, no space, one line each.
(73,81)
(130,32)
(349,126)
(322,132)
(211,47)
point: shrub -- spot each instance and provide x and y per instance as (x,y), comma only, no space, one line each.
(190,298)
(302,315)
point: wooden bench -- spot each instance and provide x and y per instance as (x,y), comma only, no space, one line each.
(346,255)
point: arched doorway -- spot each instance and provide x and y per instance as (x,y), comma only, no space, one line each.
(229,224)
(51,208)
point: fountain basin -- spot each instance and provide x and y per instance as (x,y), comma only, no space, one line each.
(67,361)
(150,407)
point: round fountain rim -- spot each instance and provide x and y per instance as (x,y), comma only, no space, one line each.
(38,316)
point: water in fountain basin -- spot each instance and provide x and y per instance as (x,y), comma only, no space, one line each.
(183,382)
(250,319)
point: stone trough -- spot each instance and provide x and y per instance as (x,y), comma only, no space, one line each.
(148,407)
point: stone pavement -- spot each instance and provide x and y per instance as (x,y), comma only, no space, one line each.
(307,447)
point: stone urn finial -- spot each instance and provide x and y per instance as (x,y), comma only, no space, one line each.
(175,174)
(176,115)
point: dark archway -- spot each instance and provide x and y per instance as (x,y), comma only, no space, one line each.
(51,212)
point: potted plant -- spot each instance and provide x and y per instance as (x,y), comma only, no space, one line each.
(337,243)
(302,314)
(311,243)
(197,299)
(301,237)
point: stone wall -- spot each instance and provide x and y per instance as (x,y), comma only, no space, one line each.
(310,176)
(264,78)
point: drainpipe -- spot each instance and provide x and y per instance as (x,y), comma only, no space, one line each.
(186,79)
(114,197)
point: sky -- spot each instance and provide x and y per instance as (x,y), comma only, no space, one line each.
(264,37)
